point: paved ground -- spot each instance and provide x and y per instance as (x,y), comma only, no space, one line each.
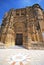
(16,47)
(24,56)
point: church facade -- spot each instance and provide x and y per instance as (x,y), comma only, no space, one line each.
(23,27)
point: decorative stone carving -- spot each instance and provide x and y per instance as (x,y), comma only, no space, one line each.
(25,21)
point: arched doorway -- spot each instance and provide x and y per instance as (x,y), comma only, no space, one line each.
(19,33)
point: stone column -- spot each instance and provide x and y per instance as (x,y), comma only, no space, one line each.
(28,28)
(40,31)
(34,33)
(37,36)
(29,36)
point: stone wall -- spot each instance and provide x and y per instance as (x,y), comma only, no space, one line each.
(27,21)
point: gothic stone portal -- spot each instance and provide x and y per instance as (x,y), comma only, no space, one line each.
(23,27)
(19,39)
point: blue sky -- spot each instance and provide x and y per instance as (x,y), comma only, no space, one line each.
(5,5)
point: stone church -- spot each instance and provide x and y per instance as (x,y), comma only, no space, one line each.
(23,26)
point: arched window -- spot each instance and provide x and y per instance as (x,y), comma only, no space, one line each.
(23,11)
(17,12)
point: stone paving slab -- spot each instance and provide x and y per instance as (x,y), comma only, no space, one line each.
(26,57)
